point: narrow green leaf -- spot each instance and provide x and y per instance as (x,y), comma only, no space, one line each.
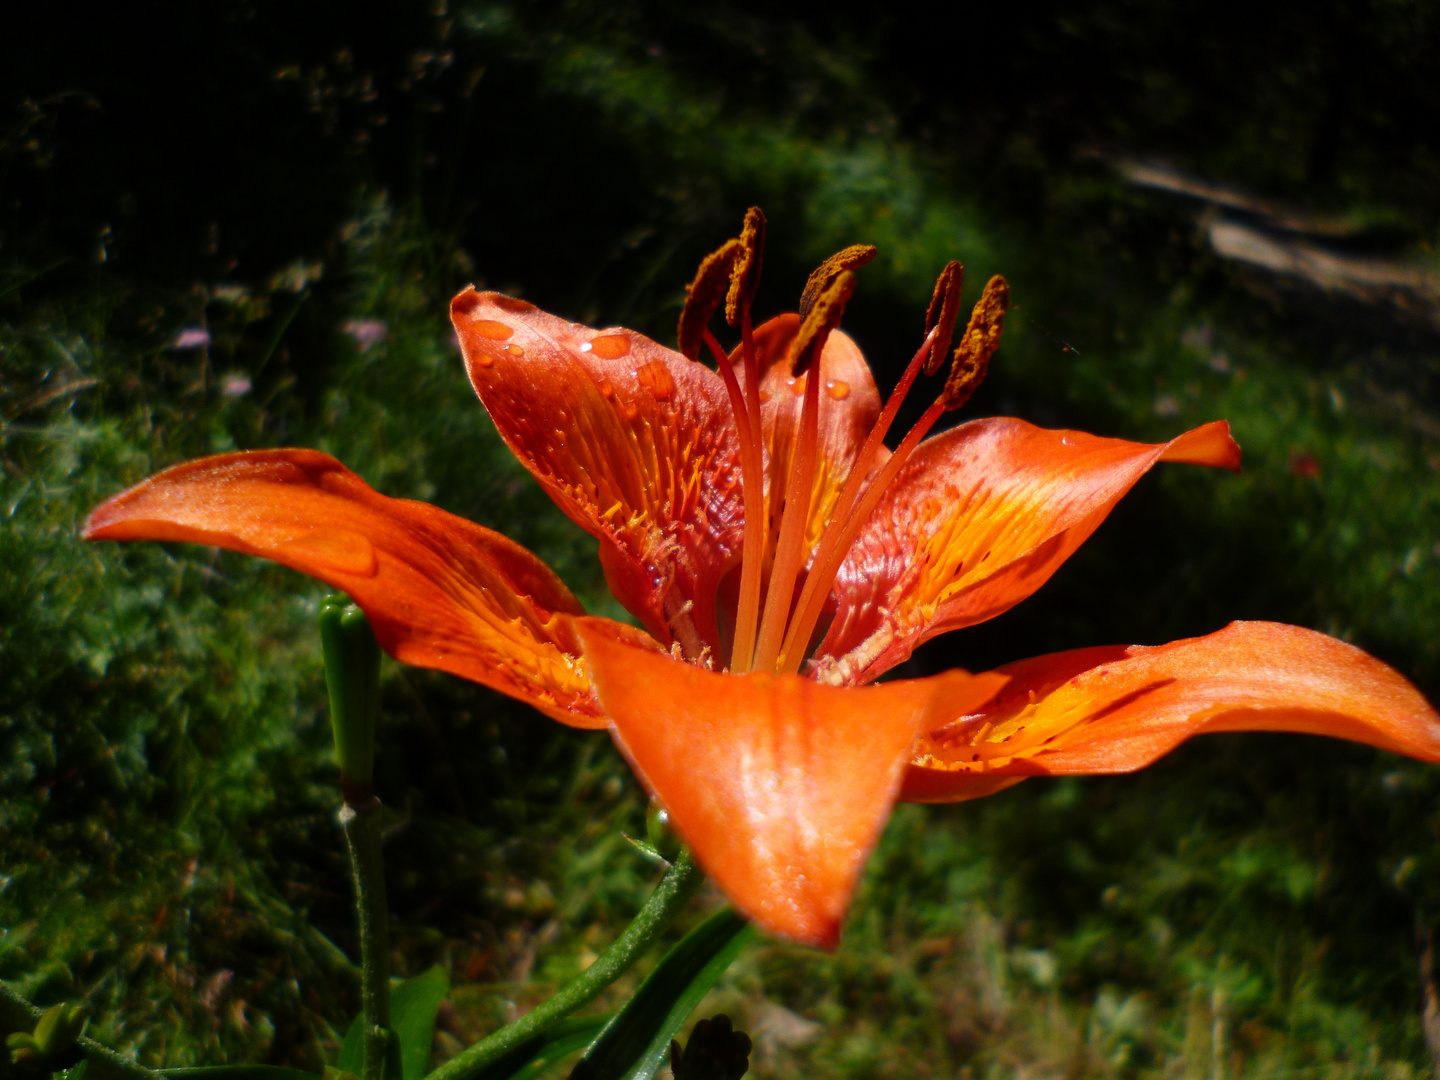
(238,1072)
(414,1005)
(352,1050)
(534,1056)
(634,1044)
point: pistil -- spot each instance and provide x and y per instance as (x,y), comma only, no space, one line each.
(824,316)
(830,552)
(972,357)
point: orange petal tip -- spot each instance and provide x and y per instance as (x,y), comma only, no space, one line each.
(780,785)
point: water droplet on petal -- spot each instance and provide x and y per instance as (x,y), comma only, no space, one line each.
(484,360)
(489,328)
(764,396)
(611,346)
(797,386)
(629,410)
(606,390)
(838,389)
(656,376)
(585,346)
(516,351)
(327,548)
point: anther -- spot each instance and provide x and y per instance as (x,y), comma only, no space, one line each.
(982,338)
(849,260)
(745,275)
(944,310)
(704,295)
(824,316)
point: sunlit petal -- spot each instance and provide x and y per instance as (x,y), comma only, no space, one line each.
(441,592)
(780,785)
(977,520)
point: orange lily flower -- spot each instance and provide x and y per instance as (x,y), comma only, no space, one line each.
(781,559)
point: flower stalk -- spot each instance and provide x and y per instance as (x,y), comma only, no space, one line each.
(670,896)
(352,672)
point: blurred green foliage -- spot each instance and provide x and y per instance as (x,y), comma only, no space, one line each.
(308,187)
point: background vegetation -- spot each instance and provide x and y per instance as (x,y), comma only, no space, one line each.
(308,184)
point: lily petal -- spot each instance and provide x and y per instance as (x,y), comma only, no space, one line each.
(1117,709)
(978,519)
(779,785)
(849,407)
(440,592)
(633,441)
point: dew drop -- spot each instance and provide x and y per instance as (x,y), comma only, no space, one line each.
(489,328)
(764,396)
(838,389)
(327,548)
(512,303)
(611,346)
(485,360)
(606,390)
(656,377)
(629,410)
(516,351)
(797,386)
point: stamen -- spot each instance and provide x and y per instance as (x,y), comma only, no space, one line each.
(744,280)
(752,488)
(731,273)
(703,296)
(944,310)
(846,261)
(972,359)
(789,548)
(982,338)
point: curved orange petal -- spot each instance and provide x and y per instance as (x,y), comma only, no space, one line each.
(779,785)
(440,591)
(1117,709)
(633,441)
(976,521)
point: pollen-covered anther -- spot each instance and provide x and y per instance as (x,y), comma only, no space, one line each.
(705,294)
(824,316)
(846,261)
(982,338)
(943,311)
(745,274)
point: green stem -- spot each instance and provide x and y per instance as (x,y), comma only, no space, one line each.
(677,886)
(17,1014)
(362,836)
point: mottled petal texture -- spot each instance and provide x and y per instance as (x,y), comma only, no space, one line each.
(1115,709)
(632,440)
